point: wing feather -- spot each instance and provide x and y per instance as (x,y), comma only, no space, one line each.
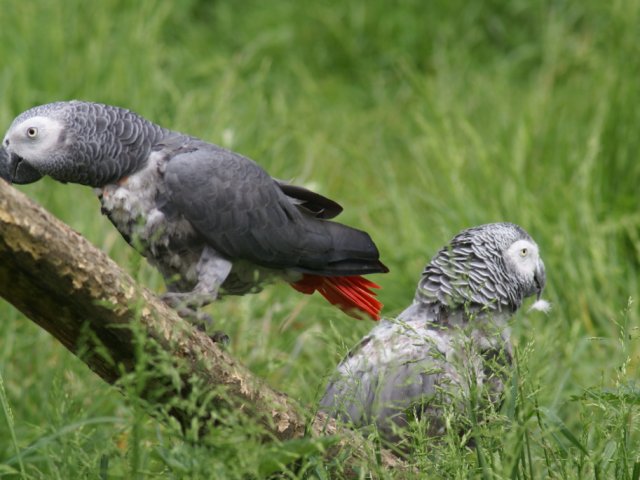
(240,210)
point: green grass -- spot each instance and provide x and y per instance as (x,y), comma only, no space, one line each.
(421,118)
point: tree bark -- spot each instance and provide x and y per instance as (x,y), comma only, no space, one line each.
(79,295)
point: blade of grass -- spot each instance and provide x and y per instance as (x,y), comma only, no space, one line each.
(8,415)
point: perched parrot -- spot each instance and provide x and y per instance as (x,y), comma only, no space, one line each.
(212,221)
(452,342)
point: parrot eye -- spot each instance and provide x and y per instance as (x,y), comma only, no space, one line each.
(523,252)
(32,132)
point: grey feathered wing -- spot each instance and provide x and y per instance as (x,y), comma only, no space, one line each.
(313,203)
(243,213)
(384,376)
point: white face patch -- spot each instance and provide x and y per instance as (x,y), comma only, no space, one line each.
(524,257)
(34,139)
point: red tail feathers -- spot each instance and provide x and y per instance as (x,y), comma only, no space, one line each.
(351,294)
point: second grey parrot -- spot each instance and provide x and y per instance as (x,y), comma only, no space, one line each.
(212,221)
(450,342)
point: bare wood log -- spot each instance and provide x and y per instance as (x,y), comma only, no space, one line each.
(67,286)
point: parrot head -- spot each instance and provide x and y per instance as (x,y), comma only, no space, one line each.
(523,263)
(78,142)
(35,145)
(494,266)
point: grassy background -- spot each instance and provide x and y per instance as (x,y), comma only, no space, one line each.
(421,118)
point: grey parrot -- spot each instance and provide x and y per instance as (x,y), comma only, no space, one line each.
(450,343)
(212,221)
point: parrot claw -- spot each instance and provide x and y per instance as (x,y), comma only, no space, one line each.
(186,301)
(202,321)
(220,338)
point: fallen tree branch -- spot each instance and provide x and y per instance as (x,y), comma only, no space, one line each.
(67,286)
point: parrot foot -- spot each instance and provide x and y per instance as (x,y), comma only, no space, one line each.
(187,308)
(220,338)
(189,301)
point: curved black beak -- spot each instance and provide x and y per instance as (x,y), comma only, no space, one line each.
(4,165)
(14,163)
(14,169)
(540,278)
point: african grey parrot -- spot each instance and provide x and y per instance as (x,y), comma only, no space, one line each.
(452,341)
(212,221)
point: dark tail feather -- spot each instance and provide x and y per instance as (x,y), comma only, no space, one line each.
(352,294)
